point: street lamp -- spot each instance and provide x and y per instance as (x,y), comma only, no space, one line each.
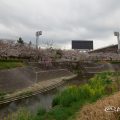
(38,33)
(118,38)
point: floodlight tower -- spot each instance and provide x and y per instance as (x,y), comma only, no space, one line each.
(38,33)
(118,38)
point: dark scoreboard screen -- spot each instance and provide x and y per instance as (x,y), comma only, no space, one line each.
(82,44)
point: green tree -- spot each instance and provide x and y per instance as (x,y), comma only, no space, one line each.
(59,54)
(20,40)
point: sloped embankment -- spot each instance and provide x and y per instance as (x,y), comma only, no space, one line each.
(97,111)
(20,78)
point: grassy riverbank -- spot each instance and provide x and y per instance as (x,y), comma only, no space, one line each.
(8,64)
(68,102)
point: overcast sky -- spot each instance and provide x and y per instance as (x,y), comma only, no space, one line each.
(61,20)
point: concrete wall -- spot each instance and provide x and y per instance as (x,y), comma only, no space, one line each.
(15,79)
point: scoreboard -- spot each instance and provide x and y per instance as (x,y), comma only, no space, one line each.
(82,44)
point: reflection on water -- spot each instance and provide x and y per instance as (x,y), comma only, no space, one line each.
(43,100)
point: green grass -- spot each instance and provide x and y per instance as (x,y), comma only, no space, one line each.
(41,111)
(10,64)
(26,93)
(115,62)
(22,114)
(72,99)
(2,95)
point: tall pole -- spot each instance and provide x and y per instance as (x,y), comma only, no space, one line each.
(38,33)
(118,39)
(37,37)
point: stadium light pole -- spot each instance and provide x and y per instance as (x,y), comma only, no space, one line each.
(118,39)
(38,33)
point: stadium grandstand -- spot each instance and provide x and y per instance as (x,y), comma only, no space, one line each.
(105,53)
(107,49)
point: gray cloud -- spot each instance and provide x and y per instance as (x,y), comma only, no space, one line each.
(60,20)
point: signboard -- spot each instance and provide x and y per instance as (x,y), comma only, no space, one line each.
(82,44)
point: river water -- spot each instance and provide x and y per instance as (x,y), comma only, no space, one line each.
(43,100)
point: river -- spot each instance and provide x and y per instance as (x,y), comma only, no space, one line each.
(43,100)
